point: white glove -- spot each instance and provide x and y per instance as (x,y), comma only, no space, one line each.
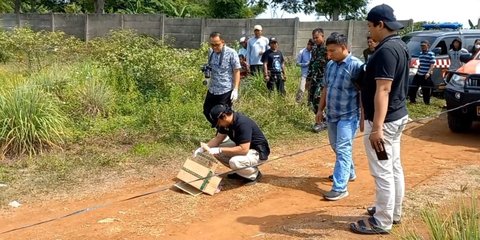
(199,150)
(234,95)
(215,151)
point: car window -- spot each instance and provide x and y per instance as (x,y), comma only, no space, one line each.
(468,42)
(445,44)
(413,43)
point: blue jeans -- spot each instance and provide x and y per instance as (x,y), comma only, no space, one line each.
(340,135)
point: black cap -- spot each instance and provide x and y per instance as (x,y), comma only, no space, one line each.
(384,13)
(272,40)
(217,111)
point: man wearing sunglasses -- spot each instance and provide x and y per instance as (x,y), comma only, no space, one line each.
(225,75)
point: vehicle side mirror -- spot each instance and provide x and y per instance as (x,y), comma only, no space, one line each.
(437,50)
(465,57)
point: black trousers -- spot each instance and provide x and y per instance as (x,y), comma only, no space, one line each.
(276,80)
(256,69)
(211,100)
(427,88)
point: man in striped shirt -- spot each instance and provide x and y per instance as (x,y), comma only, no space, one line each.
(340,97)
(423,77)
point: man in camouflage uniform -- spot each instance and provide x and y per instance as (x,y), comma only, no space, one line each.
(316,69)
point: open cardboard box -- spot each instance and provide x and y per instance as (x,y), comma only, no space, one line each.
(197,175)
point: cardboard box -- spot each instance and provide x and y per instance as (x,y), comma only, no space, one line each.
(197,175)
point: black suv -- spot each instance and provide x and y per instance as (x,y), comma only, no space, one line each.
(440,41)
(462,95)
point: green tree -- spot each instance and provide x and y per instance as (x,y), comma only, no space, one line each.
(331,9)
(235,8)
(6,6)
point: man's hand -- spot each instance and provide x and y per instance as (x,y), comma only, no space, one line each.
(199,150)
(234,95)
(215,151)
(319,116)
(267,78)
(284,77)
(376,139)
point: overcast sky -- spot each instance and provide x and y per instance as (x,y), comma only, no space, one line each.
(418,10)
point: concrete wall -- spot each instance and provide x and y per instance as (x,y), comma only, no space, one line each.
(190,32)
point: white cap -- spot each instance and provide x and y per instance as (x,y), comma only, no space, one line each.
(257,27)
(242,39)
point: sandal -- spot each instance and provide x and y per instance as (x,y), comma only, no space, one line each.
(360,227)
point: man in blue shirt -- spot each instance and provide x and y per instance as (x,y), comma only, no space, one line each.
(423,77)
(340,97)
(303,60)
(225,75)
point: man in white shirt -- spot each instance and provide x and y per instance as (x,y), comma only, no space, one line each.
(256,46)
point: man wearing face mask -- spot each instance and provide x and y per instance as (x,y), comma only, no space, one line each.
(248,145)
(225,68)
(476,47)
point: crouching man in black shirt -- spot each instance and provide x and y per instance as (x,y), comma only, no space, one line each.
(248,145)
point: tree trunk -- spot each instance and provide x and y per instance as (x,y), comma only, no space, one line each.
(335,15)
(17,6)
(99,6)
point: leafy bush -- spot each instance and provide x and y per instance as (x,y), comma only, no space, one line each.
(38,49)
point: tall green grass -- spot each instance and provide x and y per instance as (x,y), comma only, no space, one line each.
(460,223)
(30,120)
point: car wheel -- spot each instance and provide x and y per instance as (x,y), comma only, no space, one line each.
(458,122)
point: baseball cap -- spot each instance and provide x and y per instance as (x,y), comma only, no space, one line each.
(425,42)
(217,111)
(257,27)
(242,39)
(384,13)
(272,40)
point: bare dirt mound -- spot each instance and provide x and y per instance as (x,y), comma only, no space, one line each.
(287,204)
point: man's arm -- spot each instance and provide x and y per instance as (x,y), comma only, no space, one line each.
(241,149)
(284,73)
(236,78)
(217,140)
(265,71)
(381,106)
(321,105)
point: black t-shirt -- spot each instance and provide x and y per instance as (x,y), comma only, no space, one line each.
(245,130)
(389,61)
(274,60)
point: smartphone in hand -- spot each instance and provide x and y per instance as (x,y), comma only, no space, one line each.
(381,155)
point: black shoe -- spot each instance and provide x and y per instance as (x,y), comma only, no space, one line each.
(372,210)
(235,176)
(245,181)
(351,179)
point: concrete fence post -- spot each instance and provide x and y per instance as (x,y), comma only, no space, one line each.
(203,25)
(296,27)
(52,21)
(350,34)
(162,27)
(86,27)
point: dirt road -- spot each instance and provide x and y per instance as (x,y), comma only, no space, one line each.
(287,204)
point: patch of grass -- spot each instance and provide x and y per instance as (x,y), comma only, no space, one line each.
(420,110)
(459,223)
